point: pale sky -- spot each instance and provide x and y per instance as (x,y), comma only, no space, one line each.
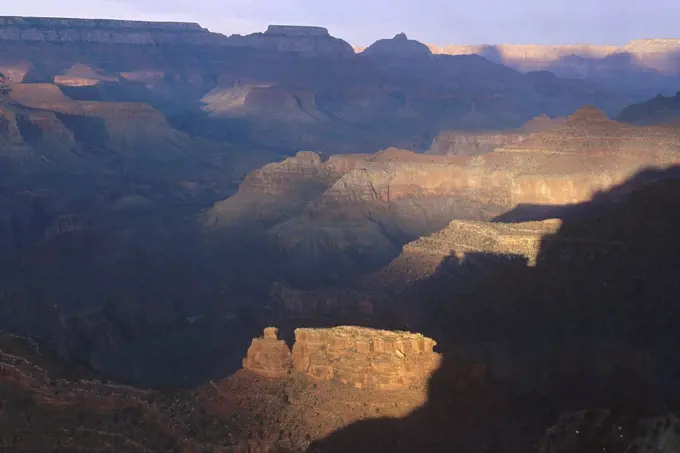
(431,21)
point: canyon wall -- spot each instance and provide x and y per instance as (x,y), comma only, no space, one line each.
(309,41)
(352,214)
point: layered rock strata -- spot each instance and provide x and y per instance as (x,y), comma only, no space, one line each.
(463,239)
(268,356)
(355,356)
(308,41)
(361,209)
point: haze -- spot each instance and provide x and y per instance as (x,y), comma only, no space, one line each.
(433,21)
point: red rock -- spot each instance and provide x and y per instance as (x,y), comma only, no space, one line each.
(268,356)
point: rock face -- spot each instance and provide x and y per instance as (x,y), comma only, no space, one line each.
(364,209)
(278,191)
(464,238)
(268,356)
(365,358)
(355,356)
(309,41)
(103,31)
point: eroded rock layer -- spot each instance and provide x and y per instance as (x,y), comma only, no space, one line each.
(355,356)
(353,213)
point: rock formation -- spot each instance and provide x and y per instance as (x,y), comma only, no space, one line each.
(268,356)
(368,207)
(355,356)
(365,358)
(308,41)
(465,238)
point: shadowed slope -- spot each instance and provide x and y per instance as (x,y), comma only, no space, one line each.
(591,325)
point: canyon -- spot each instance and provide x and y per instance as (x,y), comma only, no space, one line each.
(469,247)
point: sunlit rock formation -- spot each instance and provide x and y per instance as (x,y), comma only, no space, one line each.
(268,356)
(365,358)
(359,357)
(357,211)
(464,238)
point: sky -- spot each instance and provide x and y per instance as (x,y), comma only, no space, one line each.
(361,22)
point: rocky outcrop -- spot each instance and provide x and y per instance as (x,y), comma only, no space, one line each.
(355,356)
(365,358)
(463,239)
(268,356)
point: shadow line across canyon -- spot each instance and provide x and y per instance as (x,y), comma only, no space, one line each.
(592,325)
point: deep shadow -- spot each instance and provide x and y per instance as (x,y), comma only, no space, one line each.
(593,324)
(88,130)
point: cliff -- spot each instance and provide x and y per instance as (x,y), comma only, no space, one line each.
(310,41)
(268,356)
(104,31)
(355,356)
(463,239)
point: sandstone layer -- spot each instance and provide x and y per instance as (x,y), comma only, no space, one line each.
(268,356)
(463,239)
(355,356)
